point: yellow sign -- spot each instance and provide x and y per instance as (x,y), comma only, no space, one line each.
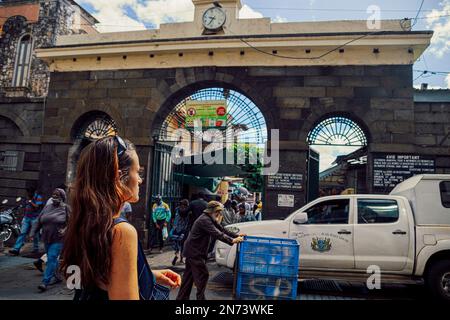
(222,190)
(208,114)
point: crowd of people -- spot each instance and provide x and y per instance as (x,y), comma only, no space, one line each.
(235,210)
(46,223)
(93,232)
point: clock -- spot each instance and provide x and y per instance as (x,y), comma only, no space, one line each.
(214,18)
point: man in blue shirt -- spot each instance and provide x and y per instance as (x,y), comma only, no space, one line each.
(161,216)
(32,210)
(126,211)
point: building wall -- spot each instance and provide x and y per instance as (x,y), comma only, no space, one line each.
(22,109)
(432,132)
(292,99)
(44,31)
(20,131)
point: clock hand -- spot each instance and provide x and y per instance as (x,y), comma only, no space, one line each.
(211,20)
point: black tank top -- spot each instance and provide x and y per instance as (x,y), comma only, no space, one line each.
(146,281)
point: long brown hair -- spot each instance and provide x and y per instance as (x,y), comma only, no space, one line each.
(97,195)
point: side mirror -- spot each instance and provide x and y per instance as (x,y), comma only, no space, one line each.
(301,218)
(5,201)
(18,199)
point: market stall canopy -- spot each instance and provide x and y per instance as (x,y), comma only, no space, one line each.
(212,170)
(203,182)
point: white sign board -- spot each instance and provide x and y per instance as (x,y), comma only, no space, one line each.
(286,200)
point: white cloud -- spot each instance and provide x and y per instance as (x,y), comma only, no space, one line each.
(279,19)
(440,43)
(248,13)
(447,80)
(113,17)
(329,153)
(164,11)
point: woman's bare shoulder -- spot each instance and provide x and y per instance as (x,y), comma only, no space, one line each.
(124,231)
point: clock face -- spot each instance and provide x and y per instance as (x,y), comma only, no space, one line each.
(214,18)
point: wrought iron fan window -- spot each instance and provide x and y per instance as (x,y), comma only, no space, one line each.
(99,126)
(337,131)
(243,115)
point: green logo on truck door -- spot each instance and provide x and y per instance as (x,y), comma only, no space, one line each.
(321,244)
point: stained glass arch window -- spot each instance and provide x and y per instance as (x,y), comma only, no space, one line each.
(96,126)
(337,131)
(242,115)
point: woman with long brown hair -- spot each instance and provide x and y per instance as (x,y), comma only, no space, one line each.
(104,246)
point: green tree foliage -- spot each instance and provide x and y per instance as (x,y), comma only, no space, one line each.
(253,181)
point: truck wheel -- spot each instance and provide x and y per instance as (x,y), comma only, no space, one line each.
(438,280)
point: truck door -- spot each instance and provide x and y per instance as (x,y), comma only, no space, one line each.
(381,234)
(326,241)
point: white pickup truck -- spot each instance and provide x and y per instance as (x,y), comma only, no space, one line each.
(406,234)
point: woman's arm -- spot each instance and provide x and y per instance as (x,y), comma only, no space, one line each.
(124,278)
(37,225)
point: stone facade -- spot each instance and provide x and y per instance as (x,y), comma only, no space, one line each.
(54,18)
(432,126)
(293,99)
(43,120)
(22,108)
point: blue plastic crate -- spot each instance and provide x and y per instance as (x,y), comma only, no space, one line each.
(269,256)
(265,287)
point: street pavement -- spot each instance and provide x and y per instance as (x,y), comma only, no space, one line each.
(19,280)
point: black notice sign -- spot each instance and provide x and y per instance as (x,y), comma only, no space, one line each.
(285,181)
(391,169)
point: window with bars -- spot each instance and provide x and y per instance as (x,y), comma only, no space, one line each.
(11,160)
(23,62)
(337,131)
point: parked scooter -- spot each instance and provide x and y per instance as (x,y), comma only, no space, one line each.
(8,221)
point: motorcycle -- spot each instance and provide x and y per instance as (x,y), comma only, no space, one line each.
(8,221)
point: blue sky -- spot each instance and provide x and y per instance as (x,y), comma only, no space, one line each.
(127,15)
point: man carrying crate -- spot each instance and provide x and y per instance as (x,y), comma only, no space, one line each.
(204,229)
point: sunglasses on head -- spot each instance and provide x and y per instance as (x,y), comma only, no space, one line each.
(121,146)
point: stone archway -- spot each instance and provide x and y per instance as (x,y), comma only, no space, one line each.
(341,138)
(187,83)
(17,121)
(241,108)
(8,128)
(87,128)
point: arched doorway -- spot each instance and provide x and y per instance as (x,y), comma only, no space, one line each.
(89,127)
(11,159)
(337,161)
(242,117)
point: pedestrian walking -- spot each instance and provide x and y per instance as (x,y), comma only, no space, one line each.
(196,208)
(243,215)
(204,230)
(126,211)
(39,263)
(229,214)
(32,210)
(105,247)
(180,230)
(234,206)
(248,206)
(52,220)
(161,217)
(258,211)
